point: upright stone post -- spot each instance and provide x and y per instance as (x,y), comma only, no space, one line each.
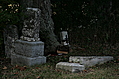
(29,50)
(10,36)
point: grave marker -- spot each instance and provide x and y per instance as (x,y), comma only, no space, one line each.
(29,50)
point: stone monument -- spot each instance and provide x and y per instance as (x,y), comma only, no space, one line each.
(29,50)
(10,36)
(31,27)
(79,63)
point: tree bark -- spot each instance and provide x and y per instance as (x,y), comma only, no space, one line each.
(46,23)
(47,27)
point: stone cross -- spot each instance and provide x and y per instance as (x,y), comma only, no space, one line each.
(30,31)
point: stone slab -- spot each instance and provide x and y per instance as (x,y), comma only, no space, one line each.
(72,67)
(27,61)
(29,49)
(89,61)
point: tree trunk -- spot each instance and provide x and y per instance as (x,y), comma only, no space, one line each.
(46,23)
(47,27)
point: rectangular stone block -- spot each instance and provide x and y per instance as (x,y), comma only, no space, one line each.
(29,49)
(27,61)
(72,67)
(89,61)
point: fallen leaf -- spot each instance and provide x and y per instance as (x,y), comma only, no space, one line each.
(16,66)
(16,73)
(48,65)
(4,68)
(38,77)
(116,69)
(37,67)
(19,67)
(22,68)
(85,70)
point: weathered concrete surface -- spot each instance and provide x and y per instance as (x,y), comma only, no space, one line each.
(27,61)
(73,67)
(89,61)
(29,49)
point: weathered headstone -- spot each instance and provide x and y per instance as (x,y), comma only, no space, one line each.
(72,67)
(29,50)
(10,36)
(89,61)
(31,26)
(64,38)
(79,63)
(64,47)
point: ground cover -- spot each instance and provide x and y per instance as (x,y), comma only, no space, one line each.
(109,70)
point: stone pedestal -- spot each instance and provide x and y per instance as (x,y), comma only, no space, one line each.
(28,53)
(29,49)
(27,61)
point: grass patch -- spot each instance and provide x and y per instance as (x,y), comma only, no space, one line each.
(109,70)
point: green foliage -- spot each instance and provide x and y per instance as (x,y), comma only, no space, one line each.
(88,20)
(9,13)
(109,70)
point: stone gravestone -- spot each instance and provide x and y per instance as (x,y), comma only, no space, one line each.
(89,61)
(79,63)
(10,35)
(64,47)
(29,50)
(31,27)
(72,67)
(64,38)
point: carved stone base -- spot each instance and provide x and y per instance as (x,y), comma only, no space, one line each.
(27,61)
(29,49)
(28,53)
